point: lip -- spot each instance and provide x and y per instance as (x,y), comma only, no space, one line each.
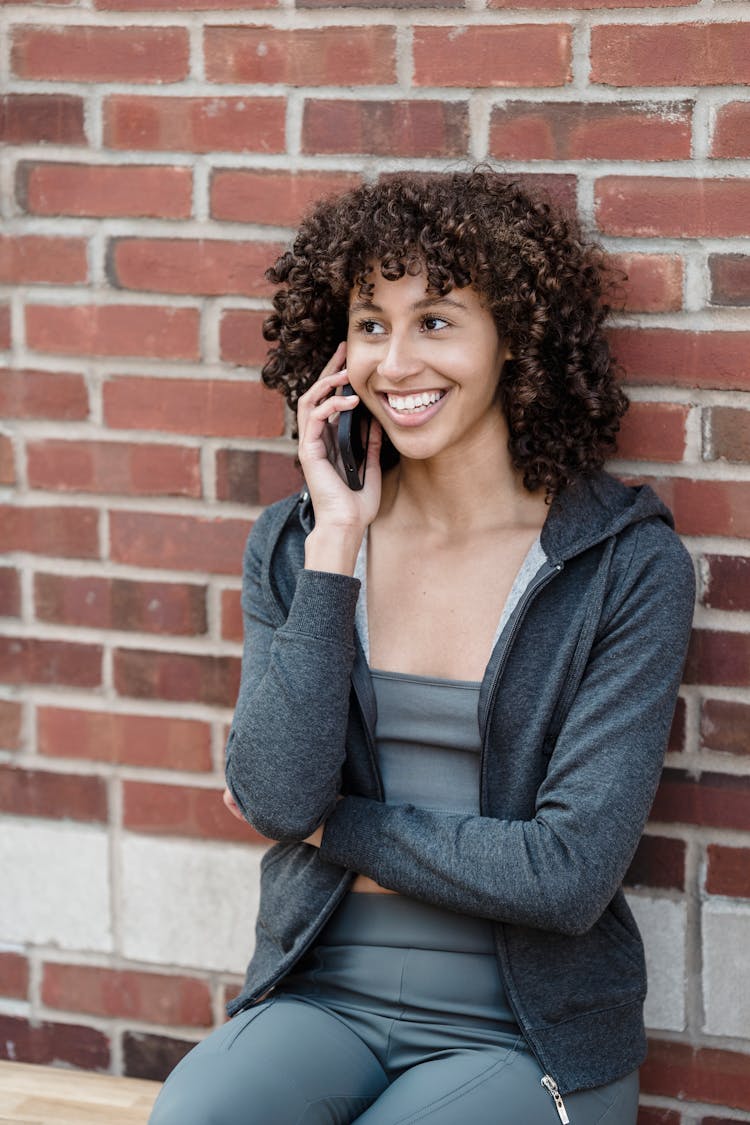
(422,416)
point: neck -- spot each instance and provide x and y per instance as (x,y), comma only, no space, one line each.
(462,490)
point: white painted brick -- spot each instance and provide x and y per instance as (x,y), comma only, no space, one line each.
(663,924)
(54,885)
(190,903)
(726,980)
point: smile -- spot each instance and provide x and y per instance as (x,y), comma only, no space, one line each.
(413,404)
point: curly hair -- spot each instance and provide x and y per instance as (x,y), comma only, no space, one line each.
(540,279)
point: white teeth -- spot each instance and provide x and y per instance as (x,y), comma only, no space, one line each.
(412,403)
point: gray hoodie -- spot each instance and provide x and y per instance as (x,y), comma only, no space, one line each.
(574,711)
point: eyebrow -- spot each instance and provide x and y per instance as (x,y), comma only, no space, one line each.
(426,303)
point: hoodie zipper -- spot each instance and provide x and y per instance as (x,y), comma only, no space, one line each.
(551,1087)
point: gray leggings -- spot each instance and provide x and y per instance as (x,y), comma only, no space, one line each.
(397,1015)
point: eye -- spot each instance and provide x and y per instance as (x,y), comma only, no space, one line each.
(369,327)
(434,323)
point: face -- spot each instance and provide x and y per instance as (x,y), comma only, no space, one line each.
(426,367)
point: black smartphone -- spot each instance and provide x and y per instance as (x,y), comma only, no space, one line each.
(353,438)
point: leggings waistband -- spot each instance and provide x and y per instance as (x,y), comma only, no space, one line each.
(395,920)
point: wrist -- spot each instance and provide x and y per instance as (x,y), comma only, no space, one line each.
(333,549)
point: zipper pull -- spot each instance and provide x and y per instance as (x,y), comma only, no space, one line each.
(551,1087)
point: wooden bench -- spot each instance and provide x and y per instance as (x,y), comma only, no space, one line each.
(49,1095)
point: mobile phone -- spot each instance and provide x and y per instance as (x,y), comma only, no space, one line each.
(353,439)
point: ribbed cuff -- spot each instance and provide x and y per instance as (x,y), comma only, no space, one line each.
(323,605)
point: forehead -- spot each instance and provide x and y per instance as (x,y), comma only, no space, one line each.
(410,292)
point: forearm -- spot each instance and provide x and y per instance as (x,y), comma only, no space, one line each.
(289,729)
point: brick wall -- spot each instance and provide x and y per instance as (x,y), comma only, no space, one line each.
(157,153)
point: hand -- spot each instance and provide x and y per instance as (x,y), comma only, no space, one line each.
(232,805)
(335,504)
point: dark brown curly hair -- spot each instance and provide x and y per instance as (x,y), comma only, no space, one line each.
(541,280)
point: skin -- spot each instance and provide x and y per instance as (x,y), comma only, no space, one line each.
(450,524)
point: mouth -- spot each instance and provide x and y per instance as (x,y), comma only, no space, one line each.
(412,409)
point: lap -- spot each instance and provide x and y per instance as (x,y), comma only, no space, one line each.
(292,1062)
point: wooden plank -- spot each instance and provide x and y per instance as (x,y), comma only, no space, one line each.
(47,1095)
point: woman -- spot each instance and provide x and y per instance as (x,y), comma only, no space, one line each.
(457,685)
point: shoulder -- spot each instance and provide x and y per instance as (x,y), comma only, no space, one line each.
(268,528)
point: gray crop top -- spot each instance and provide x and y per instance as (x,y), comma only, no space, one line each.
(427,730)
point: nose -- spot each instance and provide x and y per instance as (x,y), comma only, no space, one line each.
(400,358)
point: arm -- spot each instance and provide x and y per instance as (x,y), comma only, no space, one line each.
(287,743)
(559,870)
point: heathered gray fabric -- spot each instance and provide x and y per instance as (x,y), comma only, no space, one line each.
(427,741)
(575,709)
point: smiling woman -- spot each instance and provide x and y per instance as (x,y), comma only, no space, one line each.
(457,684)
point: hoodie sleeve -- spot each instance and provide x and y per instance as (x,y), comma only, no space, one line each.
(559,870)
(286,745)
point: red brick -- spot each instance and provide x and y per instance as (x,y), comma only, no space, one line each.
(152,1056)
(323,56)
(114,466)
(527,54)
(151,331)
(386,128)
(591,131)
(732,133)
(673,206)
(702,1074)
(34,118)
(101,54)
(36,258)
(29,660)
(247,476)
(653,431)
(378,3)
(127,994)
(727,582)
(659,862)
(14,975)
(101,190)
(230,124)
(674,356)
(7,465)
(730,279)
(157,539)
(729,430)
(64,532)
(4,326)
(179,677)
(728,871)
(231,616)
(678,729)
(204,266)
(59,795)
(650,1115)
(180,5)
(210,407)
(43,394)
(654,282)
(240,337)
(10,592)
(588,4)
(721,1121)
(707,507)
(10,724)
(120,603)
(46,1042)
(716,800)
(244,195)
(725,726)
(716,657)
(182,810)
(686,54)
(134,740)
